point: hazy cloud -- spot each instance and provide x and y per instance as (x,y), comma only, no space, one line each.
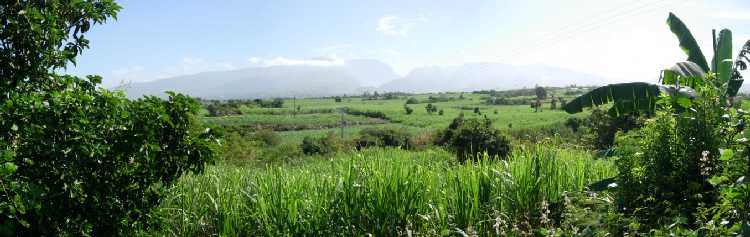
(281,61)
(740,14)
(393,25)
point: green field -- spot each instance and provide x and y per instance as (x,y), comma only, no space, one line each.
(380,192)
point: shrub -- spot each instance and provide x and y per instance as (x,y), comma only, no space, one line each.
(441,112)
(603,127)
(369,114)
(408,109)
(384,137)
(573,123)
(669,174)
(267,137)
(471,138)
(322,145)
(430,108)
(412,100)
(79,160)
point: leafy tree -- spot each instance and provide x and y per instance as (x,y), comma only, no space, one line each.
(337,99)
(540,92)
(472,138)
(412,100)
(76,159)
(408,109)
(441,112)
(476,110)
(430,108)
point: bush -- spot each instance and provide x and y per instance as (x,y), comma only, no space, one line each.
(408,109)
(79,160)
(573,123)
(267,137)
(322,145)
(412,100)
(384,137)
(369,114)
(471,138)
(668,176)
(603,127)
(239,150)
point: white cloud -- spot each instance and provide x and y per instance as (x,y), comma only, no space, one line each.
(393,25)
(392,52)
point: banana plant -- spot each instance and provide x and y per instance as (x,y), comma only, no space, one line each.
(679,81)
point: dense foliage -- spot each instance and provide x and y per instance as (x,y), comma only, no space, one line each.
(474,138)
(76,159)
(373,137)
(321,145)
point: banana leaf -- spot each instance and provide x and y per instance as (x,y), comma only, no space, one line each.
(627,97)
(687,41)
(687,74)
(722,61)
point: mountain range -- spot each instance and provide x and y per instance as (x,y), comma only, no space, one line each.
(356,76)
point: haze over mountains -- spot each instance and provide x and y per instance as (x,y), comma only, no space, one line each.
(356,76)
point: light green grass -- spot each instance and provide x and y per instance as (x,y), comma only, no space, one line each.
(381,192)
(306,120)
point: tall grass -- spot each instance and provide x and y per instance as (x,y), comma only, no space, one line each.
(383,192)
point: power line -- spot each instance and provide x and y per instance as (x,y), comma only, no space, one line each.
(563,36)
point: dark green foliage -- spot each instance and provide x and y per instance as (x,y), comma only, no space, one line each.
(78,160)
(476,110)
(506,101)
(392,137)
(408,109)
(441,112)
(603,127)
(222,109)
(573,123)
(91,161)
(412,100)
(369,114)
(670,174)
(337,99)
(540,92)
(472,138)
(321,145)
(430,108)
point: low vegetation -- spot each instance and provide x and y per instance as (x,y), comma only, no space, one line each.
(667,159)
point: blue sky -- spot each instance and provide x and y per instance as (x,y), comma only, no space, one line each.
(618,39)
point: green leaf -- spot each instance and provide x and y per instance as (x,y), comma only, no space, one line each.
(683,74)
(716,180)
(687,42)
(8,168)
(722,61)
(726,154)
(627,97)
